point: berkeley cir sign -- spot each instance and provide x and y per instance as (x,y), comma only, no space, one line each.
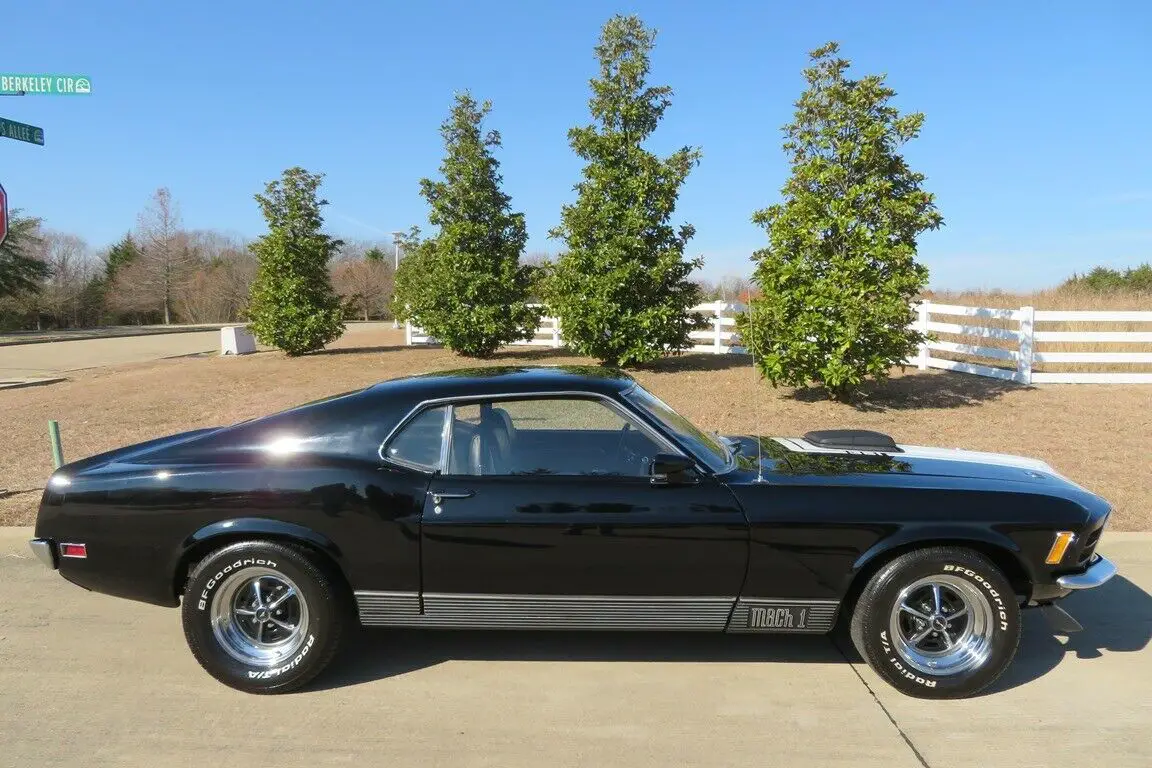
(50,85)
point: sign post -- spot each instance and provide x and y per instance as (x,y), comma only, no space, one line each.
(10,129)
(3,214)
(44,85)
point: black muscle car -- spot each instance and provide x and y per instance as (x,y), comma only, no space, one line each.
(567,498)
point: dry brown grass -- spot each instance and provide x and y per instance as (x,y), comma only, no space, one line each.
(1101,436)
(1055,299)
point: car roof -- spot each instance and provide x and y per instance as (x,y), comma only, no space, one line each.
(506,380)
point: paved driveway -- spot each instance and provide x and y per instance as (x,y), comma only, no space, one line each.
(25,361)
(89,680)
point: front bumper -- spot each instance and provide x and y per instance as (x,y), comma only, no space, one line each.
(1099,571)
(44,551)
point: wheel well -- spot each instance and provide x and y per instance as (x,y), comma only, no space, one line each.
(1002,558)
(201,550)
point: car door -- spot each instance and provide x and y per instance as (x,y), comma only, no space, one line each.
(546,516)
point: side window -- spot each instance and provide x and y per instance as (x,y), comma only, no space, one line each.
(418,443)
(547,436)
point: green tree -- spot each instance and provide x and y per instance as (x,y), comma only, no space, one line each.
(840,269)
(293,306)
(21,271)
(120,255)
(376,255)
(622,289)
(466,286)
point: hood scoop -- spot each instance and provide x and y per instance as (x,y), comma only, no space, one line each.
(852,439)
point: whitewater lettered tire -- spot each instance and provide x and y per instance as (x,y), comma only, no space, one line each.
(938,623)
(262,616)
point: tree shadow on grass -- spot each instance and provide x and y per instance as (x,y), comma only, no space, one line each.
(360,350)
(698,361)
(920,390)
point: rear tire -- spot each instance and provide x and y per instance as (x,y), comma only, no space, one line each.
(937,623)
(263,617)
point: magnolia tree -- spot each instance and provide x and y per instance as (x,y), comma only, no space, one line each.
(466,286)
(293,306)
(840,269)
(621,288)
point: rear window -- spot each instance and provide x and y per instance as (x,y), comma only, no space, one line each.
(418,443)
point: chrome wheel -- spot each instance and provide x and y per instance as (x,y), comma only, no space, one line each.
(259,617)
(942,625)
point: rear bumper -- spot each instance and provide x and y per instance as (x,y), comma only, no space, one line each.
(1099,571)
(44,551)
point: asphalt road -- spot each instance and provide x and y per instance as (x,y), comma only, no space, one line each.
(89,680)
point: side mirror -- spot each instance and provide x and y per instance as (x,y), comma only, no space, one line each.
(672,468)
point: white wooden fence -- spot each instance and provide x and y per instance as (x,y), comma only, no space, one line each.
(720,338)
(1018,351)
(1005,343)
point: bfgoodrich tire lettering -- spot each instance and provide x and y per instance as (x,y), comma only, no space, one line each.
(262,616)
(940,622)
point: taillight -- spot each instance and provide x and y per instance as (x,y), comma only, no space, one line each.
(74,550)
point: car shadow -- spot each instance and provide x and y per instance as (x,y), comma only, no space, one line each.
(1117,617)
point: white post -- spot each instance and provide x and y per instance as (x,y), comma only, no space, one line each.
(1027,337)
(408,332)
(556,333)
(717,327)
(922,326)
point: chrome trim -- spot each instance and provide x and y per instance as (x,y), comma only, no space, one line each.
(593,612)
(819,616)
(624,412)
(44,552)
(1099,571)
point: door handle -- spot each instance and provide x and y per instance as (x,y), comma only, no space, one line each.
(438,496)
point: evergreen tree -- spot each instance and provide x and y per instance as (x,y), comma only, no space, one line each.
(466,286)
(21,269)
(621,289)
(293,306)
(840,269)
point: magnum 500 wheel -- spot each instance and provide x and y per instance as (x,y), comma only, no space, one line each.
(938,623)
(262,617)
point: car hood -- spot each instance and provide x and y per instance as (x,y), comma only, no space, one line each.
(796,456)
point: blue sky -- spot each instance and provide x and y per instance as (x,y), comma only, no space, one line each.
(1038,139)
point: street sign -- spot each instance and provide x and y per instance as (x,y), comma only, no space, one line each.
(10,129)
(3,214)
(45,85)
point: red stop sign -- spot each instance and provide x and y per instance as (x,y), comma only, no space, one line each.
(3,214)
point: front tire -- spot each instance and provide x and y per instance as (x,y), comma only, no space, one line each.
(938,623)
(263,617)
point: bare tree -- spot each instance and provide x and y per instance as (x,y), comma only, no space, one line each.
(165,262)
(220,281)
(364,283)
(72,267)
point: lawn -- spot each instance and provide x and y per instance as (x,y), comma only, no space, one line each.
(1099,435)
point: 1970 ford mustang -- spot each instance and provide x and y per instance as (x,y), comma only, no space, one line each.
(567,498)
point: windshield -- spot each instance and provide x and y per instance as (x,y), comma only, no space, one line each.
(703,446)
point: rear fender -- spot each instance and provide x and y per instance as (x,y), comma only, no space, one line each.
(223,532)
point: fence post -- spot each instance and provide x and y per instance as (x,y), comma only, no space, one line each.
(556,333)
(408,332)
(717,328)
(1027,336)
(54,439)
(922,326)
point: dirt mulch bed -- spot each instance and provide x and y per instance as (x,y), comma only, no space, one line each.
(1099,435)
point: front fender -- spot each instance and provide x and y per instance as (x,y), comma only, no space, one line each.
(936,534)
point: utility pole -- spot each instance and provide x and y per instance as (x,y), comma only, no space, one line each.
(396,268)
